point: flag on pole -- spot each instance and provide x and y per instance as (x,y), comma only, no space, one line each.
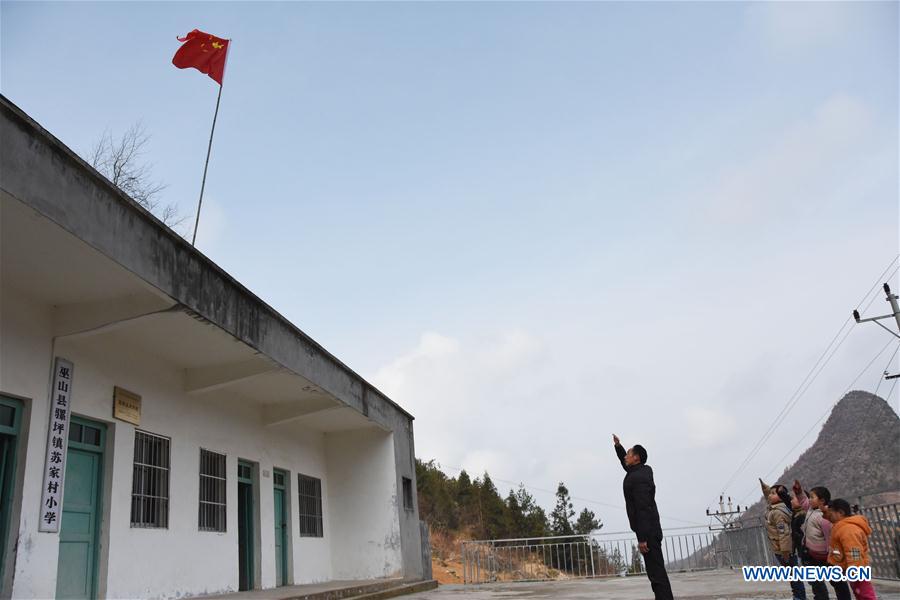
(204,52)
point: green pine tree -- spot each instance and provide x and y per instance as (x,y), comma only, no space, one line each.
(466,501)
(561,516)
(515,517)
(587,522)
(437,506)
(536,524)
(492,510)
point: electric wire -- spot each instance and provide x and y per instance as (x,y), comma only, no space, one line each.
(825,414)
(798,395)
(885,372)
(891,391)
(802,390)
(811,376)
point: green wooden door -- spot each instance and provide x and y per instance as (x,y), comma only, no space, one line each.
(278,478)
(10,419)
(245,526)
(80,525)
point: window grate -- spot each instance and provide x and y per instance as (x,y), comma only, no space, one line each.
(407,493)
(150,483)
(212,491)
(310,492)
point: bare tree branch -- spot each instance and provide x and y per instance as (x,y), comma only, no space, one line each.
(119,160)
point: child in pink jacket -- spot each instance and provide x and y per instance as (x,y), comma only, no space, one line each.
(816,535)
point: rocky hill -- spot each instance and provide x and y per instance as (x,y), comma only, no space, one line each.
(857,454)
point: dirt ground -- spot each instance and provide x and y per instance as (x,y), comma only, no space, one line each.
(450,571)
(446,570)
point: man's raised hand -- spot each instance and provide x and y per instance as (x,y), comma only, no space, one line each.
(615,439)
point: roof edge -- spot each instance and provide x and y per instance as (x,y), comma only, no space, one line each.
(183,251)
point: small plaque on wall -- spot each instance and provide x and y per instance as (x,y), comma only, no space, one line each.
(126,406)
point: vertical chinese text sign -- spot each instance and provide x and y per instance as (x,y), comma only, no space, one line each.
(57,437)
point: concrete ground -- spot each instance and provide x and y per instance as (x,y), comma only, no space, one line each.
(288,591)
(709,585)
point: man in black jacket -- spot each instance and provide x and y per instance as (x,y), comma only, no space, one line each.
(643,517)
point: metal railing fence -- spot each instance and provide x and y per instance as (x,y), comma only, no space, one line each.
(686,549)
(585,556)
(884,543)
(527,559)
(751,544)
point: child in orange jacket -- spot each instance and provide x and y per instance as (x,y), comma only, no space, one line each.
(849,544)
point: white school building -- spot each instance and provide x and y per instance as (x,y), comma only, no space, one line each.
(163,431)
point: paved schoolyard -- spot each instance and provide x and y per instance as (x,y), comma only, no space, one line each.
(710,585)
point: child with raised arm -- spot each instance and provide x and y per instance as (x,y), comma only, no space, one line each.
(778,528)
(816,533)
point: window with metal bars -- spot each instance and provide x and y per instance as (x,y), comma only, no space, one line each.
(150,483)
(407,493)
(212,491)
(310,492)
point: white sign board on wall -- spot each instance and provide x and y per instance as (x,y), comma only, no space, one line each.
(57,438)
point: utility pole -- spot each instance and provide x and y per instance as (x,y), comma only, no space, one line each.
(728,519)
(895,313)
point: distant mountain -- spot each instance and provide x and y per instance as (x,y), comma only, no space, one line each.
(857,454)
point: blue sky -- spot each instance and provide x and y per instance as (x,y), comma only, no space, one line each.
(573,218)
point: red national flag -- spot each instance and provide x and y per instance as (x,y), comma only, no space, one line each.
(204,52)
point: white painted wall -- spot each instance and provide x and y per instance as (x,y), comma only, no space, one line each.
(363,505)
(25,365)
(361,530)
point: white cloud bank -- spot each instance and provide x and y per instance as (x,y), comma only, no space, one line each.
(463,393)
(810,164)
(708,427)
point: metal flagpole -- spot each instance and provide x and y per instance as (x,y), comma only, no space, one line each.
(206,166)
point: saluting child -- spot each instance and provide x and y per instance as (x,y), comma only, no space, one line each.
(778,528)
(816,533)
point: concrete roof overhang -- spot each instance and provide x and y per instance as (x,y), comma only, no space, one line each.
(112,270)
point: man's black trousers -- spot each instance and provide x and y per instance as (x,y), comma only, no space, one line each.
(656,570)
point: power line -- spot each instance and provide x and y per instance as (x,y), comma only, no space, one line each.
(886,367)
(878,280)
(890,391)
(831,408)
(802,390)
(825,414)
(798,394)
(810,378)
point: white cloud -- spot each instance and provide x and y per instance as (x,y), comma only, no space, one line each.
(462,393)
(512,350)
(481,460)
(708,428)
(802,168)
(212,227)
(801,26)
